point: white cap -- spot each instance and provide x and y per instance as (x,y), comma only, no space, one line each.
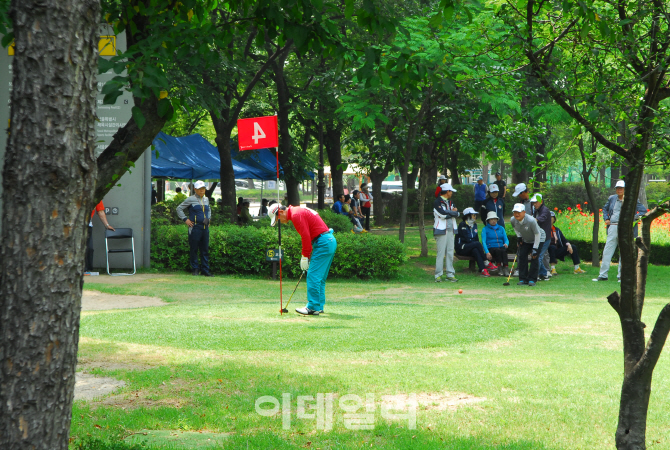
(468,210)
(494,188)
(620,183)
(447,187)
(518,189)
(199,184)
(479,178)
(536,198)
(491,215)
(272,213)
(518,207)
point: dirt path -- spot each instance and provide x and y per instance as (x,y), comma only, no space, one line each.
(98,301)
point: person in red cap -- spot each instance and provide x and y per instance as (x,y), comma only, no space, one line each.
(318,251)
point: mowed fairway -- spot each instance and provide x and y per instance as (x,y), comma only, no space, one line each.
(495,367)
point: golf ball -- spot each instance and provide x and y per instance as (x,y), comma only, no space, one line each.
(460,291)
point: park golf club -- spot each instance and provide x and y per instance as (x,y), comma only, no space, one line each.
(506,283)
(285,309)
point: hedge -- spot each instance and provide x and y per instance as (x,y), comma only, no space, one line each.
(241,250)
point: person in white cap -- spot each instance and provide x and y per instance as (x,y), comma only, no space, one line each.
(528,234)
(445,214)
(543,216)
(495,243)
(494,204)
(480,193)
(440,182)
(197,220)
(318,251)
(521,191)
(611,213)
(467,242)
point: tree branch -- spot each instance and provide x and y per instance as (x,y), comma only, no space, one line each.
(655,344)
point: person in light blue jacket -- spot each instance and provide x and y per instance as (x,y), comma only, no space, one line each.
(495,243)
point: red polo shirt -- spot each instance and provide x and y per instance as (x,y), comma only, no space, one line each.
(308,224)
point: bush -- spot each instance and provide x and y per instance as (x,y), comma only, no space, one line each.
(657,192)
(241,250)
(165,213)
(338,222)
(570,194)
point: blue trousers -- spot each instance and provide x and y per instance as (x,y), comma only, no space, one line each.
(323,252)
(544,246)
(198,240)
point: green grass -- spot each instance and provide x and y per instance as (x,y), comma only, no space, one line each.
(547,360)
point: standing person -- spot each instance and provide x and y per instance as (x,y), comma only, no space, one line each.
(240,202)
(445,214)
(467,242)
(521,191)
(197,220)
(318,251)
(263,211)
(88,260)
(245,216)
(179,196)
(154,195)
(543,216)
(440,182)
(528,234)
(560,247)
(495,243)
(611,213)
(366,204)
(502,185)
(494,204)
(480,193)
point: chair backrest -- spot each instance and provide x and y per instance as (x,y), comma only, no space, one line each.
(120,233)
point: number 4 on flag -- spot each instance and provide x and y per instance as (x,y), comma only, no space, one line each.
(257,132)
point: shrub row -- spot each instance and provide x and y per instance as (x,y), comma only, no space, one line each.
(241,250)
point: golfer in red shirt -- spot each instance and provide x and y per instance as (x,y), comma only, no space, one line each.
(318,243)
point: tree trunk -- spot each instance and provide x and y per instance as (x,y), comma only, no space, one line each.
(452,161)
(223,132)
(333,143)
(50,169)
(519,173)
(586,172)
(412,176)
(602,175)
(291,174)
(377,175)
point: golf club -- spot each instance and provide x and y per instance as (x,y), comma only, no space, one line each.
(285,309)
(506,283)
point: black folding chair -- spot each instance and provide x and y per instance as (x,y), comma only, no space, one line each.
(120,233)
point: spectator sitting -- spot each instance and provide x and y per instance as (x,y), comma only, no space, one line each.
(264,208)
(346,207)
(337,206)
(272,202)
(467,242)
(179,196)
(560,247)
(494,204)
(495,243)
(245,216)
(440,182)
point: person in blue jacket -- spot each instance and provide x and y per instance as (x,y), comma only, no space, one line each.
(337,206)
(467,243)
(494,203)
(480,193)
(495,243)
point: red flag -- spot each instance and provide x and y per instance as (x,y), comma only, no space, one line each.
(257,132)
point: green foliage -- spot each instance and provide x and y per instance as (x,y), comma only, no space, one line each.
(165,213)
(338,222)
(564,195)
(657,192)
(241,250)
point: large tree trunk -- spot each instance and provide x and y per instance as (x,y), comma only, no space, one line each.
(50,169)
(452,161)
(412,176)
(227,173)
(333,141)
(519,172)
(377,175)
(285,142)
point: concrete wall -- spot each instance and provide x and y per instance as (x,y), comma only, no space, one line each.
(128,204)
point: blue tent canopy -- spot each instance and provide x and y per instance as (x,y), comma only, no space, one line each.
(193,157)
(262,159)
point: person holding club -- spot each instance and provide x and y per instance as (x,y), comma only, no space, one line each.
(528,234)
(318,251)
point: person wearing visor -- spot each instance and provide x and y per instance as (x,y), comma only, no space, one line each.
(528,234)
(318,251)
(494,204)
(197,220)
(521,191)
(445,214)
(467,243)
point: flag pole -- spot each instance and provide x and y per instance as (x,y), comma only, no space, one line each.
(281,300)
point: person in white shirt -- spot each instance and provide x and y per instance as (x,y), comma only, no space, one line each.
(366,204)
